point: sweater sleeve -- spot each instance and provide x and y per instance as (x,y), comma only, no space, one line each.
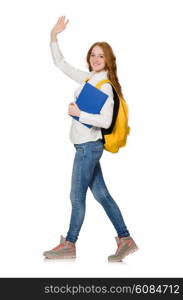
(104,119)
(59,61)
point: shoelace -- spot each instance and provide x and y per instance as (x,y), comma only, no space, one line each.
(128,242)
(120,243)
(59,246)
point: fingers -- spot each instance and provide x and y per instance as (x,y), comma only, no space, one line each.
(59,20)
(62,18)
(70,109)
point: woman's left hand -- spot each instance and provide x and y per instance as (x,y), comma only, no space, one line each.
(73,109)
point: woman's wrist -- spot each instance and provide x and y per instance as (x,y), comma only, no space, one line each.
(53,36)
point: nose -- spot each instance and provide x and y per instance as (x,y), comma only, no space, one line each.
(95,59)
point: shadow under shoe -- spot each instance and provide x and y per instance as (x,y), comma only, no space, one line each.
(64,250)
(126,245)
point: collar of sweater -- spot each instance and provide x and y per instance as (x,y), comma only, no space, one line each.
(99,75)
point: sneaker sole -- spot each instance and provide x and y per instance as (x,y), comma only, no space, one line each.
(60,257)
(121,258)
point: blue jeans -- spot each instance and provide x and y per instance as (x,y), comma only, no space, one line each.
(87,173)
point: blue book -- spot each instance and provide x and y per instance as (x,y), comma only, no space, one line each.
(90,100)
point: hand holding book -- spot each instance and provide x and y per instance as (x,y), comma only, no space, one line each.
(73,110)
(90,100)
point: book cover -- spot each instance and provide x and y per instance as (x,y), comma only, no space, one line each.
(90,100)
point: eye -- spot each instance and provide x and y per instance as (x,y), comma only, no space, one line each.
(101,56)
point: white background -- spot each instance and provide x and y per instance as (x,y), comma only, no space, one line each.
(36,155)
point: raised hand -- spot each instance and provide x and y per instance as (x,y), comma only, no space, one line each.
(60,25)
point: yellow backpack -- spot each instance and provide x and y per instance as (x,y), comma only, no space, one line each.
(115,136)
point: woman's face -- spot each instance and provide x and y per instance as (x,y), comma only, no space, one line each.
(97,59)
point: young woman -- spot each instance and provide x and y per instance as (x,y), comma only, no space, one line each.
(89,147)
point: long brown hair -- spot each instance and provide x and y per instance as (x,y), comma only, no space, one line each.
(110,60)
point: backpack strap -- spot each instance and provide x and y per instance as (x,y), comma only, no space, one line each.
(115,109)
(85,80)
(100,83)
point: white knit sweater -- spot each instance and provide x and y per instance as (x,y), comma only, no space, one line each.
(79,133)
